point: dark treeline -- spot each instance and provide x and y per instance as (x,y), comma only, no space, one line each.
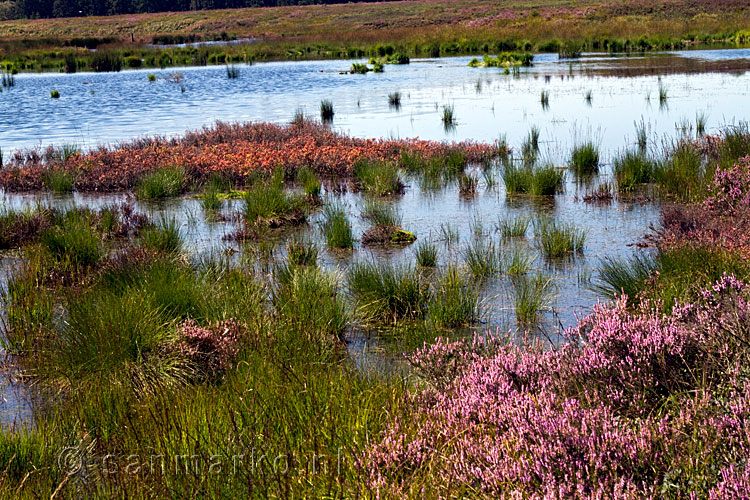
(74,8)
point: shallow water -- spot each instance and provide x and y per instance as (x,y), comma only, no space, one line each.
(487,104)
(99,108)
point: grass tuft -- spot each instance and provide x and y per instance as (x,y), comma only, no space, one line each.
(162,183)
(426,254)
(455,302)
(585,158)
(387,293)
(532,295)
(557,239)
(336,227)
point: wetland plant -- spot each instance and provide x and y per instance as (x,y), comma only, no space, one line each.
(632,168)
(233,72)
(544,99)
(449,116)
(151,77)
(455,301)
(380,213)
(55,94)
(449,233)
(163,237)
(359,69)
(299,117)
(73,240)
(585,158)
(490,179)
(663,94)
(588,97)
(309,298)
(530,146)
(394,99)
(701,118)
(624,276)
(106,61)
(58,180)
(162,183)
(310,182)
(8,79)
(326,110)
(531,295)
(337,229)
(537,180)
(388,293)
(267,201)
(426,254)
(467,184)
(482,258)
(301,252)
(210,199)
(513,227)
(377,177)
(517,261)
(682,173)
(569,50)
(558,239)
(641,135)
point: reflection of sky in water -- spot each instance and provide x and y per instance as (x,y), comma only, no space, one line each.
(487,103)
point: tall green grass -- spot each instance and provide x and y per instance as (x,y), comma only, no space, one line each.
(455,301)
(162,183)
(387,293)
(537,180)
(164,237)
(426,254)
(483,258)
(336,227)
(379,178)
(268,200)
(632,168)
(531,295)
(682,174)
(557,239)
(380,213)
(621,276)
(513,227)
(74,240)
(58,180)
(310,182)
(584,159)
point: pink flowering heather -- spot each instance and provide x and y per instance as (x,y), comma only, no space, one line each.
(730,190)
(212,349)
(635,404)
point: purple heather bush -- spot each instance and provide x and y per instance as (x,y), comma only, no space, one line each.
(635,404)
